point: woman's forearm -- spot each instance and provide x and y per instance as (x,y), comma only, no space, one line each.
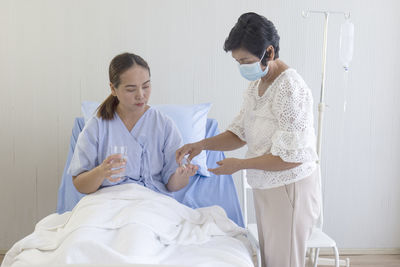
(267,162)
(225,141)
(89,181)
(177,182)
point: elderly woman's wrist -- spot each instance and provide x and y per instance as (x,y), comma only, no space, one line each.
(203,144)
(241,164)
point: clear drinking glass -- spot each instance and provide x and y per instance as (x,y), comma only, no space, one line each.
(119,150)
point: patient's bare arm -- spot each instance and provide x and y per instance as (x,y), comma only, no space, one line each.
(90,181)
(180,178)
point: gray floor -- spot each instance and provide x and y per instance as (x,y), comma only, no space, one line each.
(360,260)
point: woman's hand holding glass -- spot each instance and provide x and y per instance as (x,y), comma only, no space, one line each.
(113,167)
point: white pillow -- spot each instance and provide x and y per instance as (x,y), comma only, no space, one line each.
(89,109)
(191,121)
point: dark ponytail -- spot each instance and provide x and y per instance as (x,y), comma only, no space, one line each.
(118,65)
(107,109)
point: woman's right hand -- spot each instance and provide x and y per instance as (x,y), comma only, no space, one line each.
(107,168)
(192,150)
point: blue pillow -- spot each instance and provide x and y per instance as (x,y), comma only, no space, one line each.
(191,121)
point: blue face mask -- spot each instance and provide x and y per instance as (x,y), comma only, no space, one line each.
(253,71)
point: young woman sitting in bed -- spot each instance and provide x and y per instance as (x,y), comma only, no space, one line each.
(125,119)
(131,224)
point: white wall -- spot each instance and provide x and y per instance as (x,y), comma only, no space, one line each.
(55,54)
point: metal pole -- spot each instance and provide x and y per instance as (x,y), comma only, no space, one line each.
(321,106)
(321,109)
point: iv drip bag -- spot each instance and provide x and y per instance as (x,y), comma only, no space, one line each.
(346,43)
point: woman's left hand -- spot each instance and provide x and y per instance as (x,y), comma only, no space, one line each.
(227,166)
(187,170)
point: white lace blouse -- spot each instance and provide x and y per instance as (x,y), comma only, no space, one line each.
(279,122)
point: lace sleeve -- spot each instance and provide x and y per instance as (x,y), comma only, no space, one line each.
(294,140)
(237,126)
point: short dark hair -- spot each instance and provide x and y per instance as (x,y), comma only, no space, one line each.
(254,33)
(119,64)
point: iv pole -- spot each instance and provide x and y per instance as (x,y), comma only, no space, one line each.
(321,110)
(321,105)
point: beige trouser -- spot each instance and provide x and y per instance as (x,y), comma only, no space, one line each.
(285,217)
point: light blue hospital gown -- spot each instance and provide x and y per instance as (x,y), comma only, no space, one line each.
(151,149)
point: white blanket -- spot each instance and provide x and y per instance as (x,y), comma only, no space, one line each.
(132,224)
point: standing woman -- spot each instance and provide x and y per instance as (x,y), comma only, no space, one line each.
(276,123)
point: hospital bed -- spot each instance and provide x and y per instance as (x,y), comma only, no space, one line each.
(201,192)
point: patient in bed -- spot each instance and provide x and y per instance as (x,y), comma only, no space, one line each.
(132,223)
(125,119)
